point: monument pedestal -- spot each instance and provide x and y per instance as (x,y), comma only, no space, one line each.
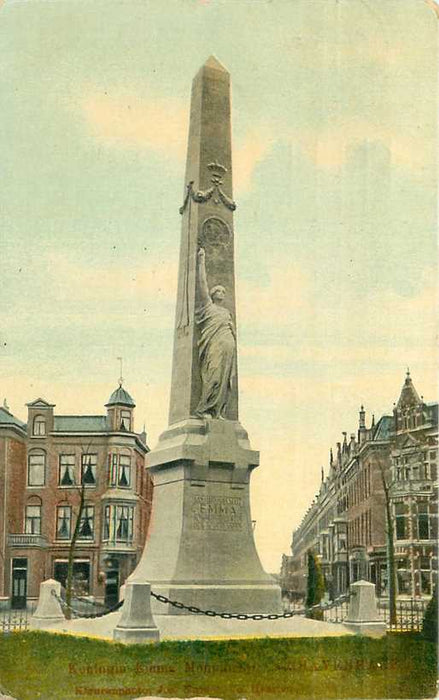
(363,617)
(136,624)
(200,548)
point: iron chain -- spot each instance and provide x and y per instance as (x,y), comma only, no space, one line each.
(78,614)
(209,613)
(245,616)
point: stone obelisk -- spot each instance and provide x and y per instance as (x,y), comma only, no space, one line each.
(200,548)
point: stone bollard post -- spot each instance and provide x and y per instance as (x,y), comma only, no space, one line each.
(363,617)
(49,609)
(122,592)
(136,624)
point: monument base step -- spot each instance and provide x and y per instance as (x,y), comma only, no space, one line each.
(133,635)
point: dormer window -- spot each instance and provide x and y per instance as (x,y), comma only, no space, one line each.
(39,426)
(120,410)
(125,420)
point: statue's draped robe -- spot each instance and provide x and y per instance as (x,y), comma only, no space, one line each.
(216,348)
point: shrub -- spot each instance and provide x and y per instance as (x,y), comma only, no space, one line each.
(430,622)
(315,586)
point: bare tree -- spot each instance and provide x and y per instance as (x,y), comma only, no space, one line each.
(76,532)
(390,542)
(69,581)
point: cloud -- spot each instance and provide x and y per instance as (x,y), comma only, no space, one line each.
(93,296)
(129,120)
(248,153)
(160,124)
(276,303)
(331,148)
(154,279)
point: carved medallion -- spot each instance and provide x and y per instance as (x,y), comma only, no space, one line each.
(214,234)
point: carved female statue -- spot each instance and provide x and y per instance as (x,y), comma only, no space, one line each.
(216,347)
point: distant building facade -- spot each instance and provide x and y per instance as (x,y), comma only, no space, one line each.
(42,466)
(346,523)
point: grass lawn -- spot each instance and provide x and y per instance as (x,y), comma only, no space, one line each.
(40,665)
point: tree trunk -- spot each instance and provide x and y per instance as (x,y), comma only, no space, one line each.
(69,581)
(391,574)
(391,571)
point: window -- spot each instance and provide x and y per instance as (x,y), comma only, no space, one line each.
(32,524)
(123,530)
(400,521)
(81,575)
(423,521)
(66,470)
(112,469)
(86,525)
(118,523)
(125,420)
(36,469)
(119,470)
(124,477)
(64,522)
(107,519)
(39,426)
(88,469)
(425,567)
(403,576)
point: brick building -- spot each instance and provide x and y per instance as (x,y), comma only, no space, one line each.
(346,522)
(42,466)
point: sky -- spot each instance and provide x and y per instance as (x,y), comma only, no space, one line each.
(334,107)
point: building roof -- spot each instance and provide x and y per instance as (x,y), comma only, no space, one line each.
(433,410)
(7,418)
(121,397)
(40,403)
(383,428)
(409,396)
(80,424)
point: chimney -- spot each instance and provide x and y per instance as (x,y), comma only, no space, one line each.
(352,444)
(362,419)
(362,426)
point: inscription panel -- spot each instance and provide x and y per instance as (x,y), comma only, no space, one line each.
(224,513)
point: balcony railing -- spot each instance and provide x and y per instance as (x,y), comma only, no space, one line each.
(27,540)
(119,546)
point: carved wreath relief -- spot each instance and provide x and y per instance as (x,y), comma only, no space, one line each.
(214,234)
